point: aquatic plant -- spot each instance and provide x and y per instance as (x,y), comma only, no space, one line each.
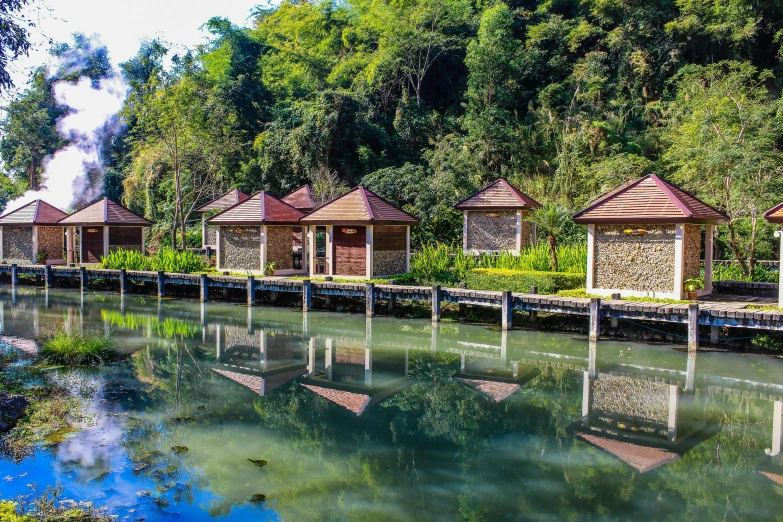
(79,349)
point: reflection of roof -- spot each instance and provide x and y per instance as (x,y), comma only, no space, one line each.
(258,208)
(37,212)
(258,384)
(649,200)
(355,402)
(500,195)
(232,197)
(301,199)
(642,458)
(497,391)
(774,477)
(105,212)
(359,206)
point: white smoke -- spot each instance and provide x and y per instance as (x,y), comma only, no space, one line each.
(74,174)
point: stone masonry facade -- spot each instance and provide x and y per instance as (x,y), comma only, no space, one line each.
(643,403)
(240,248)
(18,244)
(388,262)
(691,251)
(643,263)
(487,233)
(50,242)
(280,247)
(210,239)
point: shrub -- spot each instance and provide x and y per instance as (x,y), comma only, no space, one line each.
(127,259)
(433,262)
(165,260)
(77,349)
(766,342)
(733,272)
(521,280)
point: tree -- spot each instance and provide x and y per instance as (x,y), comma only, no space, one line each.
(14,37)
(552,220)
(724,138)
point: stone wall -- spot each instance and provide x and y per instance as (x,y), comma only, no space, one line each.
(240,248)
(280,247)
(640,402)
(388,262)
(18,244)
(50,242)
(492,233)
(692,251)
(643,263)
(210,239)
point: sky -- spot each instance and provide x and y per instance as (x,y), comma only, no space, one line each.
(123,24)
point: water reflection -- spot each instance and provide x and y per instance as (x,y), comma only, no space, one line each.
(398,420)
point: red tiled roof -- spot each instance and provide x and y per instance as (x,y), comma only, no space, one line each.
(301,199)
(232,197)
(359,206)
(775,214)
(500,195)
(355,402)
(260,208)
(37,212)
(258,384)
(642,458)
(497,391)
(105,212)
(649,200)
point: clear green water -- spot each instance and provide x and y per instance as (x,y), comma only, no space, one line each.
(391,419)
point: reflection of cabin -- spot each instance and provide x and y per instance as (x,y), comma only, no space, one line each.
(354,376)
(302,200)
(359,234)
(104,226)
(495,219)
(259,361)
(209,233)
(254,232)
(645,238)
(27,233)
(775,215)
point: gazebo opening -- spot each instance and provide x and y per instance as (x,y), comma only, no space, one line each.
(30,235)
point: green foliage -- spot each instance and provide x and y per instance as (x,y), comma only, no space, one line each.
(165,261)
(433,262)
(582,292)
(693,284)
(520,281)
(734,272)
(767,342)
(79,349)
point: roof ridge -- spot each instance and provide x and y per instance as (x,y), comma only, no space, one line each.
(262,199)
(666,188)
(363,192)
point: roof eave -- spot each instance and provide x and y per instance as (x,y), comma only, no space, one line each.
(648,221)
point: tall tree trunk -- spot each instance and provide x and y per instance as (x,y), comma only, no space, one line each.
(735,249)
(752,255)
(174,229)
(553,251)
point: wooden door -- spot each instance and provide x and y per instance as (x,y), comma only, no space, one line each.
(349,251)
(92,244)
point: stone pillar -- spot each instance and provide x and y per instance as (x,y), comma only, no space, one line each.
(407,248)
(14,274)
(307,295)
(590,286)
(506,319)
(709,240)
(251,291)
(329,261)
(48,276)
(69,249)
(679,261)
(218,249)
(161,284)
(436,304)
(34,260)
(203,231)
(519,232)
(262,249)
(123,281)
(465,231)
(203,293)
(369,299)
(368,251)
(595,319)
(693,327)
(83,277)
(777,429)
(106,241)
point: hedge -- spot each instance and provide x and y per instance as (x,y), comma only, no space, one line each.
(520,281)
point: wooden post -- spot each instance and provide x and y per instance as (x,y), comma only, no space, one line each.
(48,276)
(436,304)
(369,299)
(83,277)
(505,310)
(690,372)
(14,274)
(203,293)
(595,319)
(251,291)
(391,303)
(462,306)
(161,284)
(693,327)
(123,281)
(307,295)
(615,322)
(714,334)
(533,313)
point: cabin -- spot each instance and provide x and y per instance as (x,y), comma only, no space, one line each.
(302,200)
(775,215)
(102,227)
(208,233)
(255,232)
(644,239)
(359,235)
(495,219)
(29,235)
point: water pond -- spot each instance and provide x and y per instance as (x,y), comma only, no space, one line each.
(391,419)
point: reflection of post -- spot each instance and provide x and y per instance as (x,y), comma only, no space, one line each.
(203,317)
(14,295)
(690,372)
(262,349)
(68,321)
(249,320)
(406,361)
(462,363)
(36,331)
(47,304)
(434,338)
(592,353)
(328,358)
(368,333)
(305,325)
(2,317)
(586,396)
(311,357)
(504,347)
(674,402)
(218,341)
(122,304)
(159,315)
(777,429)
(368,366)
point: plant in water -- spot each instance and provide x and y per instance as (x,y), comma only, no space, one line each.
(552,220)
(79,349)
